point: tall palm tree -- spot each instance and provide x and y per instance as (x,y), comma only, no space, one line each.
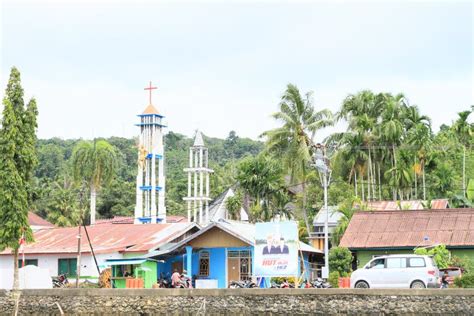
(96,163)
(390,129)
(419,135)
(464,133)
(293,141)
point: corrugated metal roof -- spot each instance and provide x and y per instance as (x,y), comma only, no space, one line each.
(386,229)
(106,238)
(438,204)
(36,220)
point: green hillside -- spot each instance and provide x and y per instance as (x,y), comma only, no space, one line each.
(56,196)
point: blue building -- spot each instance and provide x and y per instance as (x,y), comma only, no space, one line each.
(219,253)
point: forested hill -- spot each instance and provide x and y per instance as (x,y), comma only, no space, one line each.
(56,196)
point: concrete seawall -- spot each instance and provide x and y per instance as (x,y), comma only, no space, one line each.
(239,301)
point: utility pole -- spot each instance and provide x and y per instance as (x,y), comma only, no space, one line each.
(81,222)
(322,165)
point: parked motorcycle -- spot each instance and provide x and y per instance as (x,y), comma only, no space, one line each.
(283,285)
(165,280)
(60,281)
(320,284)
(242,284)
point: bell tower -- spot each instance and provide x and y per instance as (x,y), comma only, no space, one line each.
(198,181)
(150,189)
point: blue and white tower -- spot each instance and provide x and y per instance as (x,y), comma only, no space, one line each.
(150,205)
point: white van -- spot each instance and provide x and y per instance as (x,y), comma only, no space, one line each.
(397,271)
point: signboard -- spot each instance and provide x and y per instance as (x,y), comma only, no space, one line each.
(276,249)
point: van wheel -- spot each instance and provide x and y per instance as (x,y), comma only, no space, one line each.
(361,285)
(417,285)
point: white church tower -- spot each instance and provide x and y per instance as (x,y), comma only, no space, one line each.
(198,181)
(150,204)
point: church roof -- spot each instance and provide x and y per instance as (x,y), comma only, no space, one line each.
(150,110)
(198,140)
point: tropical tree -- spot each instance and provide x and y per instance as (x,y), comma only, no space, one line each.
(63,207)
(292,142)
(233,206)
(95,163)
(261,179)
(464,132)
(17,149)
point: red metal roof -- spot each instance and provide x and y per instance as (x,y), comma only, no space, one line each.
(405,205)
(392,229)
(106,238)
(36,220)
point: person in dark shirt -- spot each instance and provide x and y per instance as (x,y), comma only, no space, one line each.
(282,248)
(444,280)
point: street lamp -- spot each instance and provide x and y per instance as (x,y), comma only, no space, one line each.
(321,163)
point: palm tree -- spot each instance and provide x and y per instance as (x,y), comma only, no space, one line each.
(292,142)
(94,162)
(419,135)
(347,209)
(390,129)
(464,133)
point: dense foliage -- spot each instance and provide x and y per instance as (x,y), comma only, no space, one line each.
(340,260)
(56,194)
(18,160)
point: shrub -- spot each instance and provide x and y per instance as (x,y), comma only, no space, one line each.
(334,279)
(466,264)
(340,260)
(465,281)
(441,255)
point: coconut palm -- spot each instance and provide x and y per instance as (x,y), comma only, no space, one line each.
(233,206)
(292,142)
(94,162)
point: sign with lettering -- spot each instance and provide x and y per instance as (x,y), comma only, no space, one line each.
(276,249)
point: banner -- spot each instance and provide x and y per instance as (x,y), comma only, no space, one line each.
(276,249)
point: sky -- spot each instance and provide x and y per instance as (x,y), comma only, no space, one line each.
(222,66)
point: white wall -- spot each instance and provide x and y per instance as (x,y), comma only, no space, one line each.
(50,262)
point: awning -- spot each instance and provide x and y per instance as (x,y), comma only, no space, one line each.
(307,248)
(122,262)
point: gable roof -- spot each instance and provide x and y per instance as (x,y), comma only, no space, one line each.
(409,229)
(36,220)
(218,209)
(334,216)
(240,230)
(106,238)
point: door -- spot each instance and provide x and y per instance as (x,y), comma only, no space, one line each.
(233,270)
(396,272)
(177,265)
(375,273)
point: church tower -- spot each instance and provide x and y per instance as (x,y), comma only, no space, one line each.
(150,204)
(198,181)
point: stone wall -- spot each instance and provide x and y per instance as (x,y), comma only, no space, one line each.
(240,301)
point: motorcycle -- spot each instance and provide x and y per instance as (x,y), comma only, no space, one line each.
(165,280)
(283,285)
(242,285)
(60,281)
(320,284)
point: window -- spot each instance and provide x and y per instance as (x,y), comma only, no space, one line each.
(417,262)
(377,264)
(204,263)
(28,262)
(67,266)
(396,263)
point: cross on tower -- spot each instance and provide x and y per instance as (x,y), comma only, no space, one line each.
(150,88)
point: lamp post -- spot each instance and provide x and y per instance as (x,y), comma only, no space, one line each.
(322,165)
